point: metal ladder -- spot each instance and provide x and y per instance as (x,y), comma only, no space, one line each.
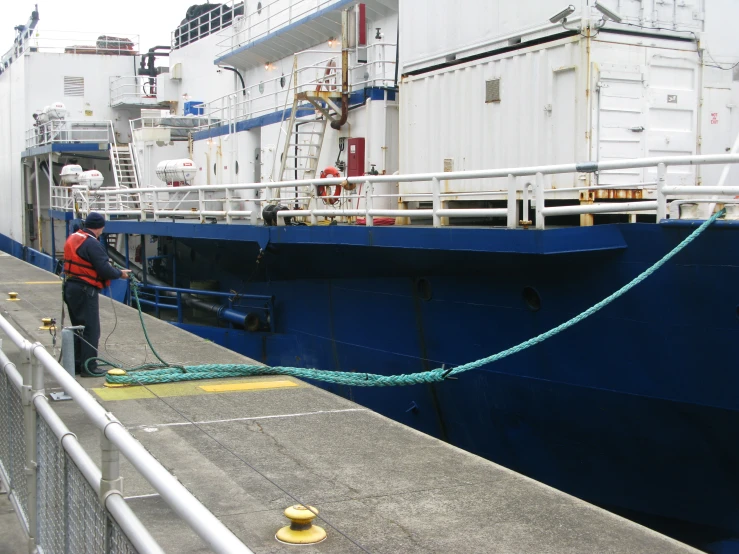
(123,168)
(302,147)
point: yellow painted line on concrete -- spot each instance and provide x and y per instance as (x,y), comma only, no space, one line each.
(235,387)
(190,388)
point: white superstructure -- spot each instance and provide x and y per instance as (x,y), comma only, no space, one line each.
(256,93)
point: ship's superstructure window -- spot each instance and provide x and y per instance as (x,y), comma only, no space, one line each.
(74,86)
(492,91)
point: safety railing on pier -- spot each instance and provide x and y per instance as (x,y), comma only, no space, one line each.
(264,18)
(523,201)
(69,131)
(64,501)
(316,70)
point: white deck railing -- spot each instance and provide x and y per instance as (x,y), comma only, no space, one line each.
(264,18)
(277,93)
(212,21)
(133,90)
(70,131)
(229,203)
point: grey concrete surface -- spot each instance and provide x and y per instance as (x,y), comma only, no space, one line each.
(12,538)
(380,487)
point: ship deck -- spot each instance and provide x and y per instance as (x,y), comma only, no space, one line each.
(382,486)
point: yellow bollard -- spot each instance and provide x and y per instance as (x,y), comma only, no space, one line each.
(301,529)
(117,372)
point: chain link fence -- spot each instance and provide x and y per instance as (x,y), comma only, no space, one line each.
(13,446)
(70,519)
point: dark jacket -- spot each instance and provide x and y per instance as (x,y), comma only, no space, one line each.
(94,252)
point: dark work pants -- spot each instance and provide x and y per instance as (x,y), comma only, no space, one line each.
(84,309)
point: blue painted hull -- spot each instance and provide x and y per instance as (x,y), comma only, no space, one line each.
(635,409)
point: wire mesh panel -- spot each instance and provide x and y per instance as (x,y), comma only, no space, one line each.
(17,445)
(52,508)
(4,425)
(118,542)
(87,519)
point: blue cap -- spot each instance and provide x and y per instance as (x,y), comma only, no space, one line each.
(94,221)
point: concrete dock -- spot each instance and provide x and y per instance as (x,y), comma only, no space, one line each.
(257,445)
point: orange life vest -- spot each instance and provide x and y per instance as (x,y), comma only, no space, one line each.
(75,266)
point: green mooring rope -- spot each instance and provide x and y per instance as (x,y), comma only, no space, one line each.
(167,373)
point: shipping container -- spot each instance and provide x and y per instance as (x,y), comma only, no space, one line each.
(435,32)
(572,99)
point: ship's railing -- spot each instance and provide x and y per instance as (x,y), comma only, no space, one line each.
(64,501)
(522,202)
(77,42)
(276,94)
(69,131)
(213,20)
(264,18)
(132,89)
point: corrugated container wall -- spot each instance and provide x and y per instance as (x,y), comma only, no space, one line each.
(435,31)
(555,103)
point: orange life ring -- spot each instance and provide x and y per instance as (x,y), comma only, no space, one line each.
(324,191)
(330,68)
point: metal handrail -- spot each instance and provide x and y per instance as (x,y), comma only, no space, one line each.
(206,525)
(151,205)
(285,16)
(254,100)
(70,130)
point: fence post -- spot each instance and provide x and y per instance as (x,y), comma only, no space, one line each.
(512,203)
(661,200)
(111,481)
(539,200)
(33,382)
(436,200)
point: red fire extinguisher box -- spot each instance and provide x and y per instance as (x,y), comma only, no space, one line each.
(355,158)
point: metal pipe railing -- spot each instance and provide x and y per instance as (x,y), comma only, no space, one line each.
(203,196)
(198,517)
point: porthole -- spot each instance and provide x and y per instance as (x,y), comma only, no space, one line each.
(236,167)
(214,169)
(259,8)
(423,289)
(532,299)
(282,82)
(261,87)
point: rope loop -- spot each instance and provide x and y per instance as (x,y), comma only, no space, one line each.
(169,373)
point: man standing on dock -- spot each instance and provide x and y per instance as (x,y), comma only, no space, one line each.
(88,271)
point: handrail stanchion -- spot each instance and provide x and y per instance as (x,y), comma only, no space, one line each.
(313,216)
(512,203)
(369,218)
(539,200)
(661,199)
(436,200)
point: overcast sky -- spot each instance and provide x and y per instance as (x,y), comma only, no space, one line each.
(152,20)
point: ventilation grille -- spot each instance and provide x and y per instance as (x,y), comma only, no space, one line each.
(492,91)
(74,86)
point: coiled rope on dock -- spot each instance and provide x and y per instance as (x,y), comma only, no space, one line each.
(169,373)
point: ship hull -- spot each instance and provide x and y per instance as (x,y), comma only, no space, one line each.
(634,409)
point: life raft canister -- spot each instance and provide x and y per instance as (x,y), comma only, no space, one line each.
(324,191)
